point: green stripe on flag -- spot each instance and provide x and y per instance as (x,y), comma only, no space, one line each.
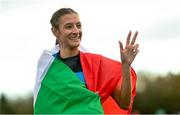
(62,92)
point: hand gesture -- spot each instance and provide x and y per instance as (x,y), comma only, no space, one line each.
(129,52)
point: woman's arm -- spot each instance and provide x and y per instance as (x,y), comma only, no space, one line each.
(122,95)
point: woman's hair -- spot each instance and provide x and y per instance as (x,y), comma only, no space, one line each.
(57,15)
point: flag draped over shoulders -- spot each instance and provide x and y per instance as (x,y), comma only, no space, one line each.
(58,90)
(102,75)
(61,92)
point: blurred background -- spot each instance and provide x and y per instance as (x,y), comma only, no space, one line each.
(25,31)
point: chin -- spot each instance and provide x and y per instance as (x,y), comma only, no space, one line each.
(75,45)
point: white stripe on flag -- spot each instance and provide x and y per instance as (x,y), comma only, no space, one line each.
(44,63)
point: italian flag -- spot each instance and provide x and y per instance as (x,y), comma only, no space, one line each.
(59,91)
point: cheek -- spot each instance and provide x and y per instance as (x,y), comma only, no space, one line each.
(65,33)
(80,33)
(63,38)
(62,35)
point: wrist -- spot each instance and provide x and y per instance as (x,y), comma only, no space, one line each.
(126,65)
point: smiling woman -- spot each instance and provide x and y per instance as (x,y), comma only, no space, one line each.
(74,81)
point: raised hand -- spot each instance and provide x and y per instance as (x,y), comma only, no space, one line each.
(129,52)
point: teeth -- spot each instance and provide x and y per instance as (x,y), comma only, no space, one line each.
(74,38)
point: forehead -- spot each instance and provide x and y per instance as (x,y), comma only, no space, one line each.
(69,18)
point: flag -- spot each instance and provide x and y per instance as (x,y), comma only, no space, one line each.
(101,76)
(59,91)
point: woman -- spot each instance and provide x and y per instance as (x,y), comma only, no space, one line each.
(70,80)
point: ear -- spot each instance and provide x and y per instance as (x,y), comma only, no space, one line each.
(55,31)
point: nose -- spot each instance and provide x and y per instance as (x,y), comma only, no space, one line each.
(76,29)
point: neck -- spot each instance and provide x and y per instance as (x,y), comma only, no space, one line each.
(65,53)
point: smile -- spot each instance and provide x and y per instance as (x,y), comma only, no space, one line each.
(74,38)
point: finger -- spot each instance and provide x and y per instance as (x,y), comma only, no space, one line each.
(135,47)
(134,38)
(120,45)
(128,38)
(135,53)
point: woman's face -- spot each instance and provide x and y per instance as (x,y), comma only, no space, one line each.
(69,31)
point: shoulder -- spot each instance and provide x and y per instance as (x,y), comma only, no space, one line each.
(98,57)
(92,55)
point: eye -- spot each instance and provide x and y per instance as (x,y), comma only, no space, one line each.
(78,25)
(69,26)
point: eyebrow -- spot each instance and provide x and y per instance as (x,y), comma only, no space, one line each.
(71,23)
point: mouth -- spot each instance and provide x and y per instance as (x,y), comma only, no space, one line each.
(75,38)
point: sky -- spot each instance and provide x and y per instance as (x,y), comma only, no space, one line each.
(25,31)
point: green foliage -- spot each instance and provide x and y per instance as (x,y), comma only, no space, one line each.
(160,93)
(18,106)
